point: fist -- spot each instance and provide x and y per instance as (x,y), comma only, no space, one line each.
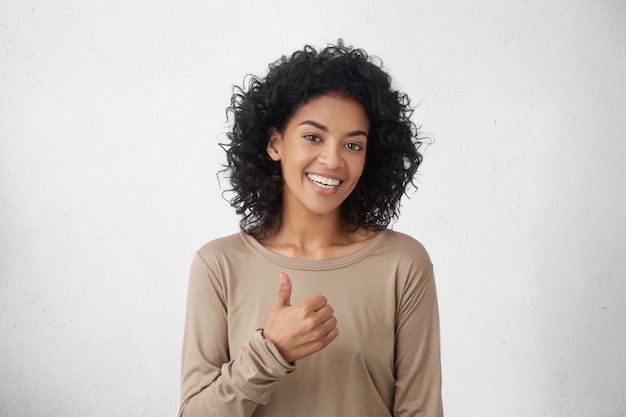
(300,330)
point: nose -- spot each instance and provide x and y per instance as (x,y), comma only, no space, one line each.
(331,157)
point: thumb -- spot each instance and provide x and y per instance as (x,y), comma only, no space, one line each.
(284,293)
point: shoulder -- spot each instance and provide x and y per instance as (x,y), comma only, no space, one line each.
(414,273)
(221,244)
(404,247)
(227,248)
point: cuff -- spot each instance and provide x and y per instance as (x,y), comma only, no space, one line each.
(273,359)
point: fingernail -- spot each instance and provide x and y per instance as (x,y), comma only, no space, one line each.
(282,278)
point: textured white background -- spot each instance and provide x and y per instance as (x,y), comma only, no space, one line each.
(110,115)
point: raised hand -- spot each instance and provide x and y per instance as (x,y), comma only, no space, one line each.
(300,330)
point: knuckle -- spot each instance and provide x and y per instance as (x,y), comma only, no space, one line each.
(302,311)
(317,346)
(310,324)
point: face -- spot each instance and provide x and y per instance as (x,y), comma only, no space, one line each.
(322,153)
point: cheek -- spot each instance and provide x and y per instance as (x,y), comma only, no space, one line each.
(293,164)
(359,167)
(300,158)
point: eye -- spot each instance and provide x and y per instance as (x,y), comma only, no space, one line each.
(353,146)
(312,138)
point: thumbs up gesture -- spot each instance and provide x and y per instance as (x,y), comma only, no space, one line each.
(300,330)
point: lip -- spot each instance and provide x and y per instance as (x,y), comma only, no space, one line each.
(321,190)
(325,175)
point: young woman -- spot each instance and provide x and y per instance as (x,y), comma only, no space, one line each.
(315,308)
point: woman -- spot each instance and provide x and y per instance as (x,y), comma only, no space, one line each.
(320,153)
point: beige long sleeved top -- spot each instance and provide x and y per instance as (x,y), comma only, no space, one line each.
(385,362)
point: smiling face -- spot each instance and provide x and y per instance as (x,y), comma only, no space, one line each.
(322,153)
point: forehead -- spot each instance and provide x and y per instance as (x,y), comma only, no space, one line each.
(335,109)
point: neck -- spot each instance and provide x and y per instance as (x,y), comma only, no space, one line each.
(306,235)
(313,229)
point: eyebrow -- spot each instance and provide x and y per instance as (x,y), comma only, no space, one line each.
(325,129)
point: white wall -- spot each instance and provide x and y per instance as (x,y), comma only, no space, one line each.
(110,114)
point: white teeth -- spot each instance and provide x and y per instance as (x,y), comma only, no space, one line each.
(323,181)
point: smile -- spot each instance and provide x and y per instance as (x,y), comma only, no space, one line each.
(323,182)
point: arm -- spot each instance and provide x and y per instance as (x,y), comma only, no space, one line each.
(213,384)
(417,364)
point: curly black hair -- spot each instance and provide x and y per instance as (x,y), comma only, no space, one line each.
(393,144)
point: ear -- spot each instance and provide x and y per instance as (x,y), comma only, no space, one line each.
(274,139)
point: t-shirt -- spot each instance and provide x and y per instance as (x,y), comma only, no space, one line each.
(385,361)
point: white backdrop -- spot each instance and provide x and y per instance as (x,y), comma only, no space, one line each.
(110,115)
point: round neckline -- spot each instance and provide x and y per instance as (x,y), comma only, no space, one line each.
(322,265)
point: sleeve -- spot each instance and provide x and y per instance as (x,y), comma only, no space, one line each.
(417,360)
(211,383)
